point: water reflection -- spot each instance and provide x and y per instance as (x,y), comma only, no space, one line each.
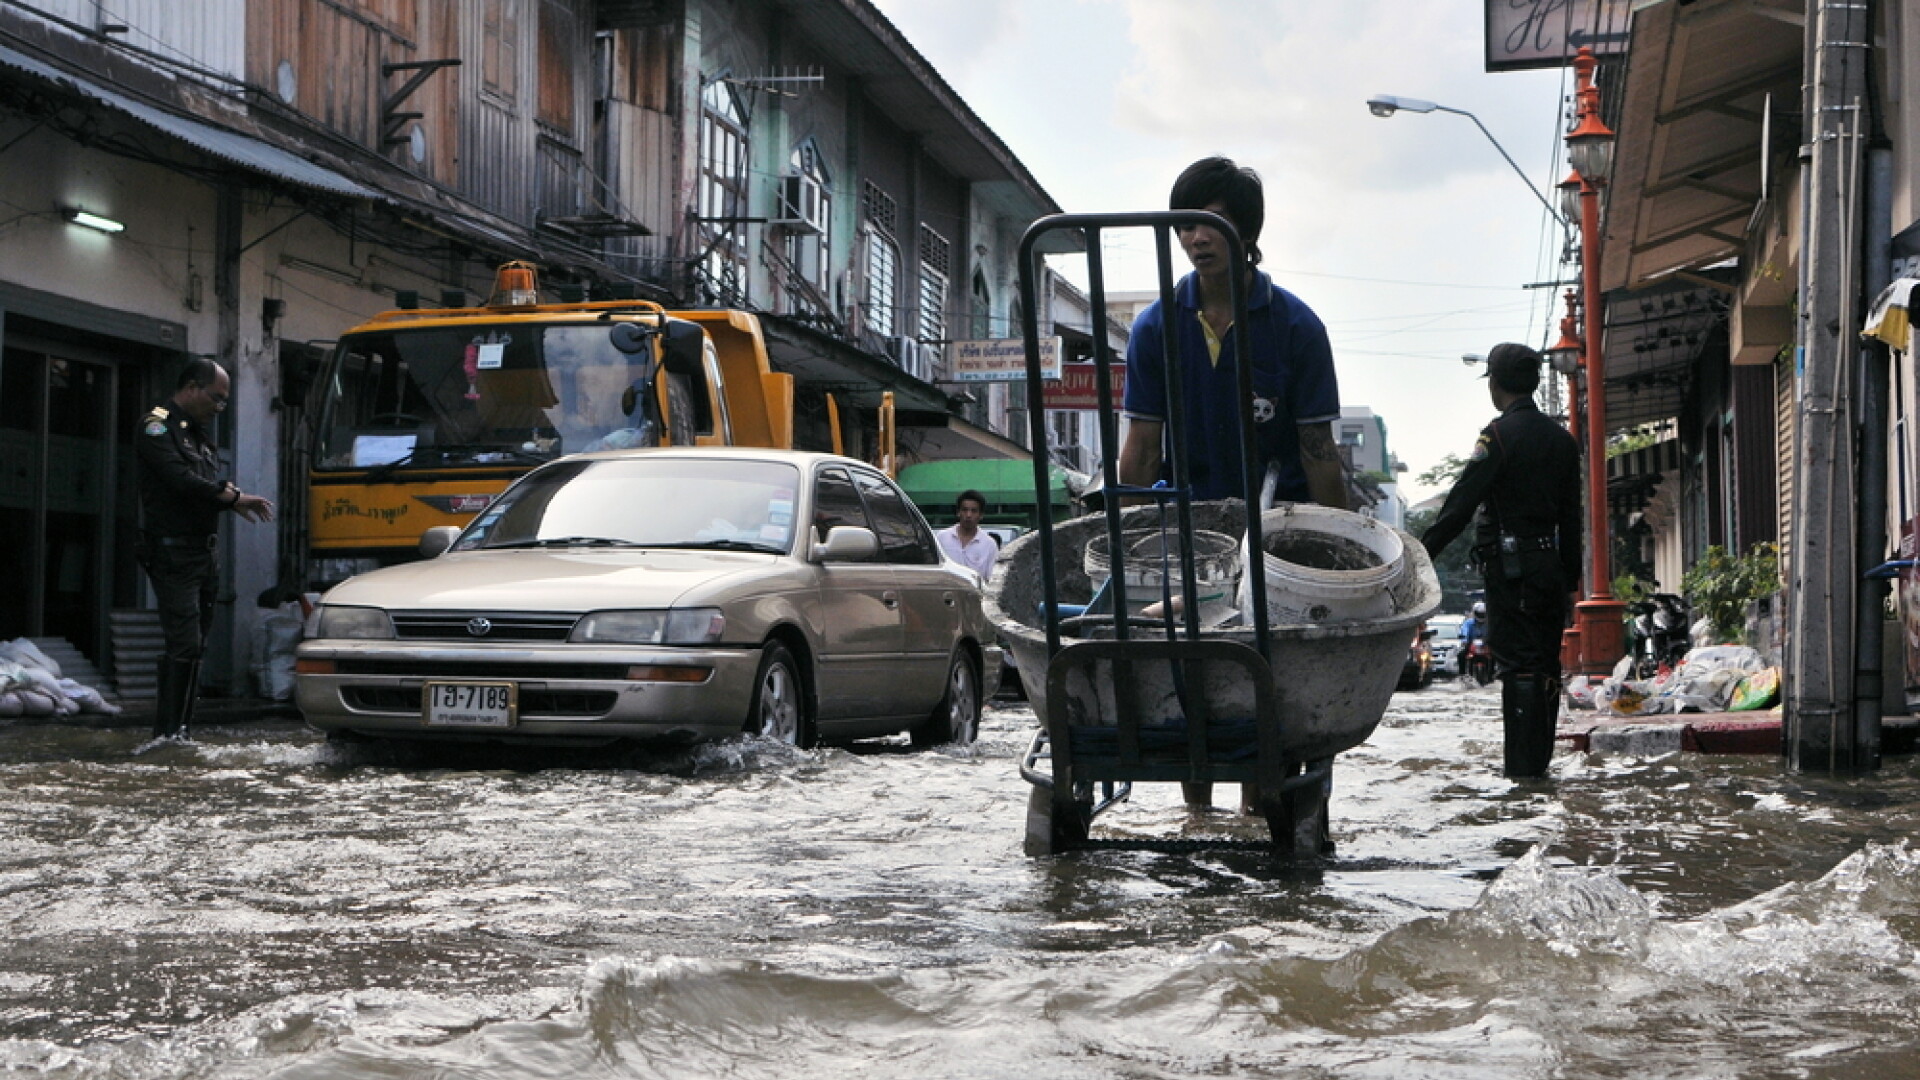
(259,903)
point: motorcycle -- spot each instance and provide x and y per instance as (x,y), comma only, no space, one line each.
(1476,662)
(1661,633)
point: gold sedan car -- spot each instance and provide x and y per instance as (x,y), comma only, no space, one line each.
(663,595)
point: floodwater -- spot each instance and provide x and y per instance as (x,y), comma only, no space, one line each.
(261,904)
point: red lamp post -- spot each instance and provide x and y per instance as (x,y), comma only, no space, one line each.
(1564,358)
(1597,619)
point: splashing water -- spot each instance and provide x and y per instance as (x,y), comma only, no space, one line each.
(257,903)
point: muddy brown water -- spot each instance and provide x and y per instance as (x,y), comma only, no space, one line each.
(260,904)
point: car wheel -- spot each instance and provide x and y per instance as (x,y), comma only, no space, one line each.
(957,718)
(779,710)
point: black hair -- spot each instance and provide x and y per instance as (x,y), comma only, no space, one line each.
(970,495)
(1235,187)
(200,371)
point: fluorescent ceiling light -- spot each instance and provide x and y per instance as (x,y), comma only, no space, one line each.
(93,221)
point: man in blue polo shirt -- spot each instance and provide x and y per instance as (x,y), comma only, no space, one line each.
(1296,397)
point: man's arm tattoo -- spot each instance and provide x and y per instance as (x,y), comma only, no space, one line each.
(1316,443)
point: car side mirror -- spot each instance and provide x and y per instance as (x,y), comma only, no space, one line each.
(437,539)
(1429,633)
(846,543)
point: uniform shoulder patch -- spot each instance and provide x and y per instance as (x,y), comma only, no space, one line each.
(1481,447)
(155,427)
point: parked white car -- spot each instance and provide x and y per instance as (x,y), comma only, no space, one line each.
(671,594)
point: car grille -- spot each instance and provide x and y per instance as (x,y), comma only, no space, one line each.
(482,669)
(500,626)
(398,699)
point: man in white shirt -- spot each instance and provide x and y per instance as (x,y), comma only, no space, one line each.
(964,541)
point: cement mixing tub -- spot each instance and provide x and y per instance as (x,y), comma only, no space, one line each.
(1211,709)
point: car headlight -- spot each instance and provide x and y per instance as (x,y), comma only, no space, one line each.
(335,621)
(691,626)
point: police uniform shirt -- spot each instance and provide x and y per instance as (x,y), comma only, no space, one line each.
(1522,479)
(180,493)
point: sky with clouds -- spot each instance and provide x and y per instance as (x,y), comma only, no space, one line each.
(1410,236)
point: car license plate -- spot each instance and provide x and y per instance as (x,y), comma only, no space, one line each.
(471,704)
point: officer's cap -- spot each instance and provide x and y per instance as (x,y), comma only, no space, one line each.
(1514,368)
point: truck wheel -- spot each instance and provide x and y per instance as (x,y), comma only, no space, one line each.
(680,423)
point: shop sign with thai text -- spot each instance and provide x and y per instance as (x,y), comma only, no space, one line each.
(1077,388)
(1001,361)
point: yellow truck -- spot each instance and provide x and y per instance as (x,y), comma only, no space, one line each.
(428,414)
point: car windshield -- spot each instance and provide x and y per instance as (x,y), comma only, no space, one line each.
(645,502)
(518,392)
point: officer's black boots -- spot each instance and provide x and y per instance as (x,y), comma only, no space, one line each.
(174,706)
(1530,711)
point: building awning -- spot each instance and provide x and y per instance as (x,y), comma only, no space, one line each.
(1634,477)
(1655,341)
(1692,157)
(820,361)
(955,440)
(232,147)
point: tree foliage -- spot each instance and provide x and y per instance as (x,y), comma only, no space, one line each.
(1444,474)
(1720,585)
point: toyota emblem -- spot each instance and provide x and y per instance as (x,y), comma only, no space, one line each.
(479,626)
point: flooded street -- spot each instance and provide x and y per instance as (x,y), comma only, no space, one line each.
(262,904)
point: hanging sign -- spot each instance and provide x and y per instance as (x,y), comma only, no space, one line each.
(1001,361)
(1525,34)
(1076,388)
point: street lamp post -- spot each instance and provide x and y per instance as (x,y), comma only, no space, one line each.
(1598,618)
(1385,105)
(1564,357)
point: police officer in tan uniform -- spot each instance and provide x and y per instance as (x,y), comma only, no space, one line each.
(181,499)
(1521,491)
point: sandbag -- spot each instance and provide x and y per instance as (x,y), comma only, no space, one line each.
(1760,690)
(27,654)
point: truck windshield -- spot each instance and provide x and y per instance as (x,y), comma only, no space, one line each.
(477,394)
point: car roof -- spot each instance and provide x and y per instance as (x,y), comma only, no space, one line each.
(803,459)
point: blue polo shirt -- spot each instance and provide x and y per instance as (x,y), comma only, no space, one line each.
(1293,384)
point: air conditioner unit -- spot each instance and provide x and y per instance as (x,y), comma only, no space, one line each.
(929,365)
(904,351)
(802,207)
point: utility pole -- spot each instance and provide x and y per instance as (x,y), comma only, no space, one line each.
(1820,731)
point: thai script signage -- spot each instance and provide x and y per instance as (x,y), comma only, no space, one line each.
(1076,388)
(1001,361)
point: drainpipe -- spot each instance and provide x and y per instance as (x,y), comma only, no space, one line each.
(1876,270)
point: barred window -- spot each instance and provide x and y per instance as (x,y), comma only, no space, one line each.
(880,209)
(723,188)
(935,254)
(883,281)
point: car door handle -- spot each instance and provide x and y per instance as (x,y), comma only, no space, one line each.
(890,598)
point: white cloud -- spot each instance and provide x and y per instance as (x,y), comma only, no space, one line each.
(1370,220)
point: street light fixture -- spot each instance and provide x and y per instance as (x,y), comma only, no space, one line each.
(1385,105)
(1564,355)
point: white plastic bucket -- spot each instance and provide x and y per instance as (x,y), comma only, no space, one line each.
(1153,558)
(1325,566)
